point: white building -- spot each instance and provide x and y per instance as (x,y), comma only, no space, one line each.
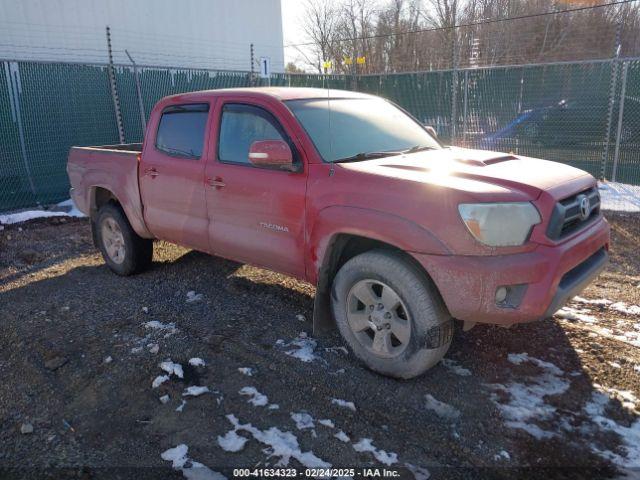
(180,33)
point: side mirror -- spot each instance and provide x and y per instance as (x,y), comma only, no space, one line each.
(271,154)
(431,130)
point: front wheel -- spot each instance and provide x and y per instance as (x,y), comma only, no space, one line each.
(123,250)
(390,315)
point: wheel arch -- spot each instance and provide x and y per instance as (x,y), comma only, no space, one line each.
(100,195)
(342,247)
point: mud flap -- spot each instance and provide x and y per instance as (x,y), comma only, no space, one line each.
(440,335)
(323,321)
(94,234)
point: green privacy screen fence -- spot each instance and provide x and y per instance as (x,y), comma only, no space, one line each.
(585,114)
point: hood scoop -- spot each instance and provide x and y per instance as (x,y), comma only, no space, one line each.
(488,161)
(411,168)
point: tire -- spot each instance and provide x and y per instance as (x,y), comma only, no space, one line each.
(410,333)
(123,250)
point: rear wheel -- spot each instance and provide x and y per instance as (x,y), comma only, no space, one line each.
(123,250)
(391,316)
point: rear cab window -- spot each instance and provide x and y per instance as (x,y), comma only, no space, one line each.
(181,130)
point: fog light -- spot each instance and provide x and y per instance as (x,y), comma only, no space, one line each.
(501,294)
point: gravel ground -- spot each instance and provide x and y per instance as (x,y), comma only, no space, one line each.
(556,398)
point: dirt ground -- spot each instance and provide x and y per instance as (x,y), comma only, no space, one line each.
(80,348)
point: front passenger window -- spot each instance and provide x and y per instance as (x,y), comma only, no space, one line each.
(241,125)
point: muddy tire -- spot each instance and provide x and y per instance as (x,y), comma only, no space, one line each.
(390,314)
(123,250)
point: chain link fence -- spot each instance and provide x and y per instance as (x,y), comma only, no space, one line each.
(586,114)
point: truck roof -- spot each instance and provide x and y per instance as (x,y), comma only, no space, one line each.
(281,93)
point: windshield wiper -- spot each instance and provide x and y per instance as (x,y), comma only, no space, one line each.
(358,157)
(371,155)
(418,148)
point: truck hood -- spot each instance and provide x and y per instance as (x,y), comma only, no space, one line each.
(474,171)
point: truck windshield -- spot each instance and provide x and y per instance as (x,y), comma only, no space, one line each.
(354,129)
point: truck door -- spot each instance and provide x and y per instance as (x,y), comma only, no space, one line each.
(172,176)
(257,214)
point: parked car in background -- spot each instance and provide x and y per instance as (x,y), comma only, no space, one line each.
(399,233)
(569,123)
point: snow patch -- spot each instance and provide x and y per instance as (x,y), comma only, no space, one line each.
(344,404)
(248,371)
(569,313)
(366,445)
(327,423)
(159,380)
(181,406)
(168,328)
(190,469)
(196,362)
(20,217)
(600,301)
(73,210)
(232,442)
(343,437)
(177,456)
(281,444)
(626,397)
(195,391)
(502,455)
(455,367)
(304,347)
(303,420)
(441,409)
(256,398)
(526,402)
(622,307)
(193,296)
(630,435)
(172,368)
(620,197)
(419,473)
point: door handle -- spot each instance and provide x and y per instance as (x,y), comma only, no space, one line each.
(216,182)
(152,172)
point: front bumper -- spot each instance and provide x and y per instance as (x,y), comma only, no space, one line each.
(551,274)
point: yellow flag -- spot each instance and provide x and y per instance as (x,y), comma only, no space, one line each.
(360,60)
(326,64)
(348,60)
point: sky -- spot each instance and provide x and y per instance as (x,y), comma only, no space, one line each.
(292,14)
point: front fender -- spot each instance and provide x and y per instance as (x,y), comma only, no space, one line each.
(374,224)
(331,222)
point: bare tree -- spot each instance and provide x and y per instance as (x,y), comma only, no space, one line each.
(405,35)
(320,25)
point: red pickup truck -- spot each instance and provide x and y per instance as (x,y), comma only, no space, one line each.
(399,233)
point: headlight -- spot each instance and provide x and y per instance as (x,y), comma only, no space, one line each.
(500,224)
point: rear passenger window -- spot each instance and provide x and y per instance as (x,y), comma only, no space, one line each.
(181,130)
(242,125)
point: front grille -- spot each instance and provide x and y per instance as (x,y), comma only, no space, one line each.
(568,217)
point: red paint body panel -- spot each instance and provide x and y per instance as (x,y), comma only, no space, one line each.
(287,221)
(468,283)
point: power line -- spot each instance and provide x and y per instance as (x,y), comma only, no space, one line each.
(470,24)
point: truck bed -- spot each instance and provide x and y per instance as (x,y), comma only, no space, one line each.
(112,168)
(121,147)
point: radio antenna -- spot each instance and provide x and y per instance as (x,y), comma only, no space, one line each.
(332,168)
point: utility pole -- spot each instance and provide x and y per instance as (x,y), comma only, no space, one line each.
(143,117)
(114,89)
(615,61)
(253,62)
(454,73)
